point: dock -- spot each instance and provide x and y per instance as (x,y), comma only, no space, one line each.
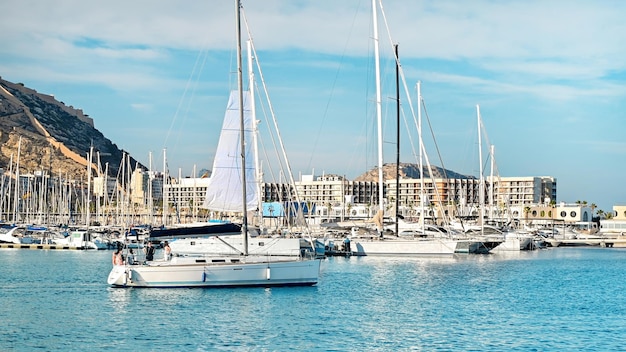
(39,246)
(341,253)
(602,242)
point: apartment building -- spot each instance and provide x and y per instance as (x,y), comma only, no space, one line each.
(333,196)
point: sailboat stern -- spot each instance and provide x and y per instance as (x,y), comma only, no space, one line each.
(118,276)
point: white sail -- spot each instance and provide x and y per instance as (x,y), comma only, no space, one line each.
(225,187)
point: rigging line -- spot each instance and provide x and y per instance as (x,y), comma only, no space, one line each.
(264,108)
(445,173)
(271,136)
(404,84)
(195,72)
(270,108)
(190,100)
(332,90)
(283,160)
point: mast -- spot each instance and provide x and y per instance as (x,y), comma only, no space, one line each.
(481,184)
(164,195)
(6,207)
(150,200)
(194,201)
(17,183)
(244,227)
(379,114)
(421,157)
(98,196)
(492,155)
(105,192)
(88,200)
(397,136)
(255,135)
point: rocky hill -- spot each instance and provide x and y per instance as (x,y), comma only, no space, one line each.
(51,136)
(408,170)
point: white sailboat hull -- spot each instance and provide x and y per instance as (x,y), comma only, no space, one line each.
(400,247)
(217,272)
(515,244)
(234,244)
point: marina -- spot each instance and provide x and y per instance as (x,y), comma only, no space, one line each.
(242,257)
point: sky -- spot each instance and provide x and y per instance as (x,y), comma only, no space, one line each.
(549,78)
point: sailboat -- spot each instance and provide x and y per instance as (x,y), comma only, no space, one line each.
(218,237)
(512,239)
(229,270)
(410,239)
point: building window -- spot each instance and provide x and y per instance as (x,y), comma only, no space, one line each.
(572,214)
(563,214)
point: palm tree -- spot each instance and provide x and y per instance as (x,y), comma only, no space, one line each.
(526,211)
(593,208)
(329,207)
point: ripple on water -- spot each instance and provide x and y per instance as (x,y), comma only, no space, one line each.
(560,299)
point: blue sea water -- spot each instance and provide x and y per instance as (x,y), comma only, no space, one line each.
(557,299)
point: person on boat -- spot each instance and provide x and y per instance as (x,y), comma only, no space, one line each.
(167,251)
(131,257)
(117,257)
(149,249)
(346,244)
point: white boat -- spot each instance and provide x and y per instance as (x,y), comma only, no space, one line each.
(15,235)
(81,239)
(228,271)
(511,240)
(227,191)
(225,238)
(431,241)
(411,239)
(233,245)
(393,246)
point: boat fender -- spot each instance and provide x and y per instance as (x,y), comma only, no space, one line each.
(267,273)
(204,276)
